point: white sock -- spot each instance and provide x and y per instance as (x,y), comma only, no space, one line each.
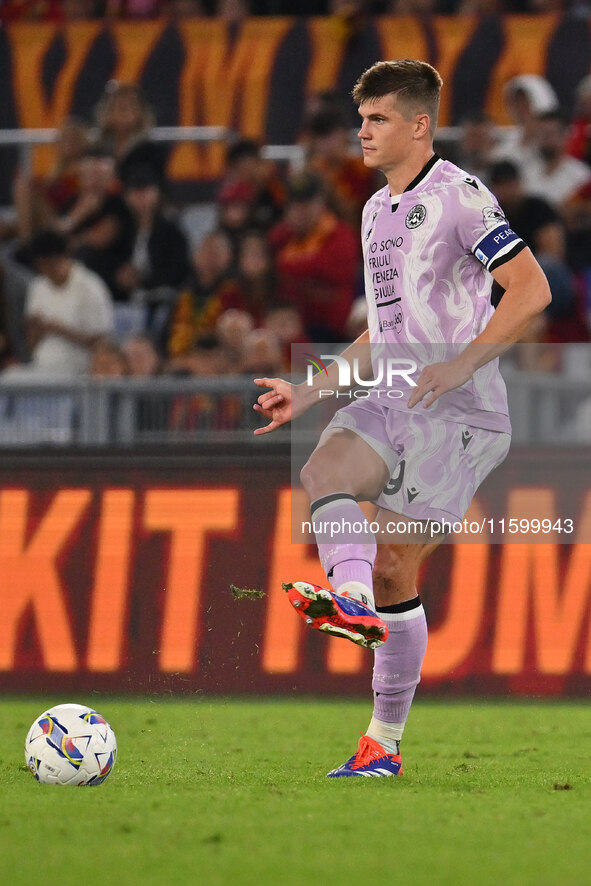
(357,591)
(386,734)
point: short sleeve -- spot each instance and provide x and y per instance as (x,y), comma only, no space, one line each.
(34,297)
(483,228)
(97,315)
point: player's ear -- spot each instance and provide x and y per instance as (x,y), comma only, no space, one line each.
(422,125)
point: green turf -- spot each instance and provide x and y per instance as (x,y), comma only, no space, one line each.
(233,792)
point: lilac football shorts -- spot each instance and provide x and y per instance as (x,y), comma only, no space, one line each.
(435,466)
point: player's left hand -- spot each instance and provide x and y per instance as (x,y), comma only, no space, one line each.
(437,379)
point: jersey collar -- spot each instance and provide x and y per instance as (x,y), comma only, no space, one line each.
(423,174)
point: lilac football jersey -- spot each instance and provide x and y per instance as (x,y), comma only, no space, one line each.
(428,254)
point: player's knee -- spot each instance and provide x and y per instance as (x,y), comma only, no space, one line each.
(316,477)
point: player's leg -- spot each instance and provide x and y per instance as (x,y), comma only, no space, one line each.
(342,469)
(450,464)
(397,664)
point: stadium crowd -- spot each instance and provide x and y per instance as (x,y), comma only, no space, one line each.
(101,275)
(234,11)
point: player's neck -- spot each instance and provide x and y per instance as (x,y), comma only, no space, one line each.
(400,177)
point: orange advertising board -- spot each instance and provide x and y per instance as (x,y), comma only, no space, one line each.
(118,578)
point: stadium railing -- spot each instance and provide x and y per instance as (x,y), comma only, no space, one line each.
(165,411)
(24,140)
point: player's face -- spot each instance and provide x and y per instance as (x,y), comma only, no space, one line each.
(387,135)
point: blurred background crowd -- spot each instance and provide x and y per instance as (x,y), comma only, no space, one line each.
(235,10)
(102,275)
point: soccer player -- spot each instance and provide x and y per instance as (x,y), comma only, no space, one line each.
(433,240)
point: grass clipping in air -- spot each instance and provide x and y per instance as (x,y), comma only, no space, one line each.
(248,593)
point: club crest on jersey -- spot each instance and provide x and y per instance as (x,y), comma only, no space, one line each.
(416,216)
(492,216)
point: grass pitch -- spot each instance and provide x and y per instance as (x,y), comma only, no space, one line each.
(220,792)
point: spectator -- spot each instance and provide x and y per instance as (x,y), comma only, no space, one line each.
(184,8)
(577,215)
(160,250)
(125,119)
(252,181)
(421,8)
(100,224)
(40,202)
(27,10)
(68,308)
(579,141)
(540,226)
(530,216)
(261,353)
(49,10)
(143,362)
(142,357)
(552,173)
(527,98)
(107,360)
(232,329)
(347,181)
(286,323)
(480,8)
(326,100)
(316,257)
(210,277)
(6,344)
(82,9)
(256,275)
(233,12)
(206,357)
(254,287)
(134,9)
(236,210)
(204,411)
(159,263)
(476,145)
(14,283)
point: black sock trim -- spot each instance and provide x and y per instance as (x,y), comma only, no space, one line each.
(326,499)
(401,607)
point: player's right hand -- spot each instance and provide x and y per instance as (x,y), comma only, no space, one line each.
(275,404)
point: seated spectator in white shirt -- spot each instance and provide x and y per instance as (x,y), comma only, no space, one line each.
(553,174)
(68,308)
(527,97)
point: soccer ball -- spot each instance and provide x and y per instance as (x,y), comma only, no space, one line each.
(71,744)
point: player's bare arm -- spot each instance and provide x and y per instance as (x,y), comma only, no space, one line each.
(280,406)
(526,295)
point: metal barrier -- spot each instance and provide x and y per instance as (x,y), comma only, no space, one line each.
(26,139)
(126,412)
(548,409)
